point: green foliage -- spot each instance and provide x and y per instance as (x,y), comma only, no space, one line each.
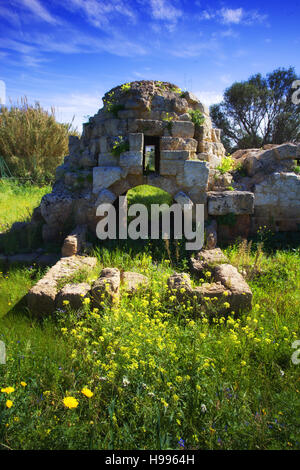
(228,164)
(32,142)
(258,111)
(18,200)
(120,145)
(196,116)
(297,169)
(126,87)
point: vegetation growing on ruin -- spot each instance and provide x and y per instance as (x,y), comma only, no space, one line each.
(196,116)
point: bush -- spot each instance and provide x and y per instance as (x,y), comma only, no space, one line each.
(32,142)
(228,164)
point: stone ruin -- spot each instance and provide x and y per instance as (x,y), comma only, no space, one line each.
(135,116)
(111,157)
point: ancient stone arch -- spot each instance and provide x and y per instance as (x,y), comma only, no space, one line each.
(94,172)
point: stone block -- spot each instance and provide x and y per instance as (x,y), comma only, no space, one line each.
(228,275)
(178,143)
(104,177)
(105,197)
(182,199)
(174,154)
(74,294)
(170,167)
(106,286)
(146,126)
(195,174)
(132,281)
(183,129)
(226,202)
(136,142)
(107,159)
(131,159)
(115,127)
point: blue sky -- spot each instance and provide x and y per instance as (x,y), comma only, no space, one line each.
(68,54)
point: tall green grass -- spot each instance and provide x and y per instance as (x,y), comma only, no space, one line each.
(17,201)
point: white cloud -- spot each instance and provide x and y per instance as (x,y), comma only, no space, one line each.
(164,10)
(99,13)
(38,10)
(229,15)
(209,97)
(234,16)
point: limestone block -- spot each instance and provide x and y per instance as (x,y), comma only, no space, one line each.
(105,197)
(87,159)
(41,298)
(104,177)
(175,154)
(132,161)
(228,275)
(226,202)
(98,130)
(182,199)
(184,117)
(167,184)
(278,196)
(178,143)
(136,142)
(206,259)
(107,159)
(70,246)
(132,281)
(104,147)
(180,281)
(171,167)
(56,208)
(182,129)
(195,174)
(106,286)
(146,126)
(115,127)
(94,147)
(74,294)
(213,290)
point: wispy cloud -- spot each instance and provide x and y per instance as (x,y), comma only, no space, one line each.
(39,11)
(164,10)
(100,13)
(76,43)
(234,16)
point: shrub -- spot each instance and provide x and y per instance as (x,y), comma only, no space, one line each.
(32,142)
(228,164)
(197,117)
(121,145)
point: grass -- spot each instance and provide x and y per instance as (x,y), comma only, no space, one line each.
(17,201)
(159,371)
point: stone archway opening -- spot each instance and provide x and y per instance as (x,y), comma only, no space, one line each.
(151,155)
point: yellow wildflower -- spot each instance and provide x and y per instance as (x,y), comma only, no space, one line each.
(87,392)
(9,403)
(7,390)
(70,402)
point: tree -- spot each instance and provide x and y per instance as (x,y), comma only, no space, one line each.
(259,111)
